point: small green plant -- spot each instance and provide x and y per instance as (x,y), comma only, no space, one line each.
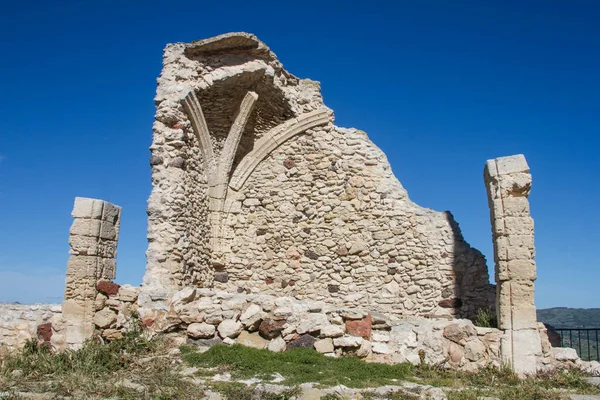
(486,318)
(298,366)
(97,368)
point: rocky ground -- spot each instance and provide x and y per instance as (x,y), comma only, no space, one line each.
(137,367)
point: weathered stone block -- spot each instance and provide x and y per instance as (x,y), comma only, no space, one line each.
(105,318)
(516,206)
(361,327)
(86,227)
(107,268)
(518,226)
(306,340)
(252,340)
(522,267)
(111,213)
(87,208)
(107,288)
(511,164)
(82,266)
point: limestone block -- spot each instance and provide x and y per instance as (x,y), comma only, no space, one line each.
(92,246)
(455,352)
(474,350)
(526,342)
(73,310)
(86,227)
(459,332)
(564,354)
(503,304)
(516,206)
(381,348)
(324,345)
(183,296)
(252,340)
(82,266)
(515,185)
(105,318)
(348,341)
(112,334)
(87,208)
(107,268)
(229,328)
(332,331)
(276,345)
(108,231)
(312,322)
(518,225)
(252,317)
(523,267)
(111,213)
(201,330)
(511,164)
(128,293)
(525,241)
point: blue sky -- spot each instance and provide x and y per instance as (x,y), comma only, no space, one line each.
(440,86)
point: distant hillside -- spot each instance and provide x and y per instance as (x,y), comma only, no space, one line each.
(563,317)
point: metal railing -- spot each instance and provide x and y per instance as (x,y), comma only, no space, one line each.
(583,340)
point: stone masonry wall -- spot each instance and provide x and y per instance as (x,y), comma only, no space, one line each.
(256,190)
(323,218)
(508,182)
(210,317)
(21,322)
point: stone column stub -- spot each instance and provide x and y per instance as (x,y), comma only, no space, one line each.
(508,184)
(93,238)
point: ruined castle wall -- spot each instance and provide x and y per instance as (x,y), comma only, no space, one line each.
(324,218)
(256,190)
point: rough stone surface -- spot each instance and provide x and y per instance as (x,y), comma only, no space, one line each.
(200,330)
(274,198)
(276,345)
(90,270)
(253,340)
(306,340)
(44,332)
(324,345)
(565,354)
(20,322)
(105,318)
(361,327)
(108,288)
(270,328)
(508,183)
(229,328)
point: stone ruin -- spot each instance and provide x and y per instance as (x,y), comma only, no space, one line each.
(256,190)
(270,226)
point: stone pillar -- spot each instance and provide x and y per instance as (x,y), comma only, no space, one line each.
(93,239)
(508,184)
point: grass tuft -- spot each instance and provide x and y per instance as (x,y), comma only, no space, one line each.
(298,366)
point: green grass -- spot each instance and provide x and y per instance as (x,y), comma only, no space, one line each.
(298,366)
(97,371)
(303,365)
(486,318)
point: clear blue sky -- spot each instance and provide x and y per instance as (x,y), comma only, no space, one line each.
(440,86)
